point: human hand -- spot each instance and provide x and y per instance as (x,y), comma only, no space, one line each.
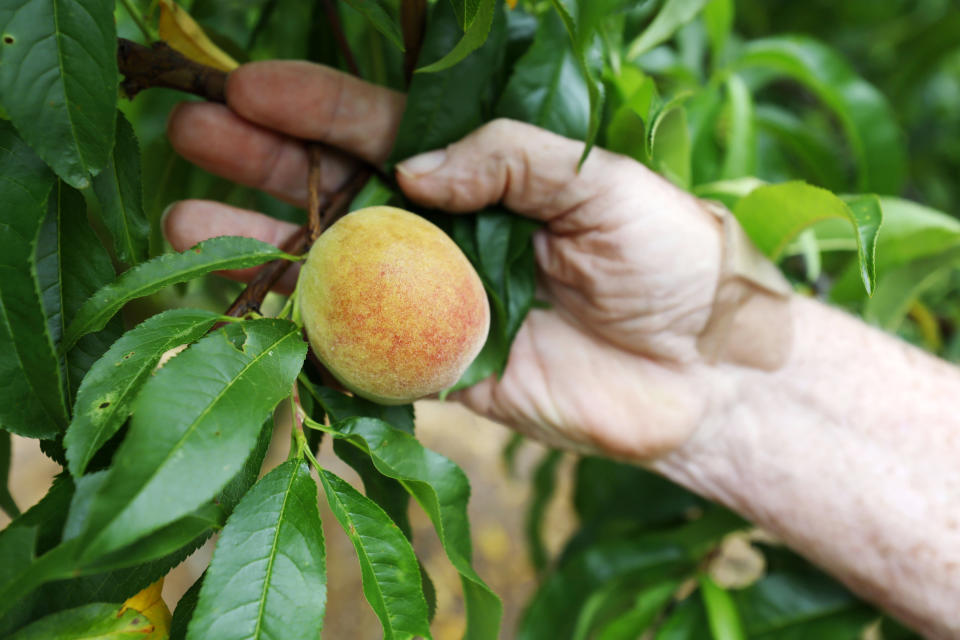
(628,262)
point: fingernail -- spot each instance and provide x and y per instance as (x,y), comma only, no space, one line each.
(422,164)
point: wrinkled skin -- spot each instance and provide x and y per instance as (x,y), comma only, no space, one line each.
(629,262)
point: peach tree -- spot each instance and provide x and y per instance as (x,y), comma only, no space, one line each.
(160,412)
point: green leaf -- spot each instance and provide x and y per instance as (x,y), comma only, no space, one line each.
(718,20)
(98,621)
(186,607)
(649,603)
(445,106)
(58,81)
(476,34)
(547,88)
(741,156)
(544,484)
(722,612)
(670,146)
(583,36)
(72,264)
(230,496)
(442,490)
(7,502)
(673,15)
(268,576)
(795,601)
(899,288)
(643,558)
(390,571)
(227,252)
(687,622)
(381,20)
(867,120)
(773,216)
(211,401)
(386,492)
(31,398)
(507,267)
(815,150)
(121,199)
(106,395)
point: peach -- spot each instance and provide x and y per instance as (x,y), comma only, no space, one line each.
(391,305)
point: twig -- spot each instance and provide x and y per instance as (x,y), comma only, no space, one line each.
(413,19)
(317,200)
(160,66)
(268,275)
(333,16)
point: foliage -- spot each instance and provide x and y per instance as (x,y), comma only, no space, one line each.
(781,127)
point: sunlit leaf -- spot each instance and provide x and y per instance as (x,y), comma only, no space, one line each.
(673,15)
(773,216)
(722,615)
(741,155)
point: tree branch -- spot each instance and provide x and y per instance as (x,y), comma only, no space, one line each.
(333,16)
(160,66)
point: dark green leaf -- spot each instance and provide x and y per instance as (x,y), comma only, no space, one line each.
(186,606)
(58,81)
(227,252)
(722,615)
(445,106)
(476,34)
(544,484)
(386,492)
(649,603)
(816,151)
(121,199)
(6,500)
(31,397)
(795,601)
(867,120)
(687,622)
(212,401)
(72,265)
(391,574)
(98,621)
(230,495)
(547,88)
(268,575)
(773,215)
(106,395)
(378,16)
(673,15)
(441,488)
(583,36)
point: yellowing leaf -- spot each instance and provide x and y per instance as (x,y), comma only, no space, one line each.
(512,4)
(183,34)
(150,604)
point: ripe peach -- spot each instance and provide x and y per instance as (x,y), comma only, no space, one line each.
(391,305)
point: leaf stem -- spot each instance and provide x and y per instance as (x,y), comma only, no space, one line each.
(134,12)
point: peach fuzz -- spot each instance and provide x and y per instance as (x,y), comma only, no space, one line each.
(391,305)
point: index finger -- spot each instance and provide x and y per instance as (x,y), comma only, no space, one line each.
(313,102)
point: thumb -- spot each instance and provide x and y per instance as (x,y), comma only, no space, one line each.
(530,170)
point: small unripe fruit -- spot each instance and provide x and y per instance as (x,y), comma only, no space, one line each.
(391,305)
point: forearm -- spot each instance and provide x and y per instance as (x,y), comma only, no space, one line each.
(850,453)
